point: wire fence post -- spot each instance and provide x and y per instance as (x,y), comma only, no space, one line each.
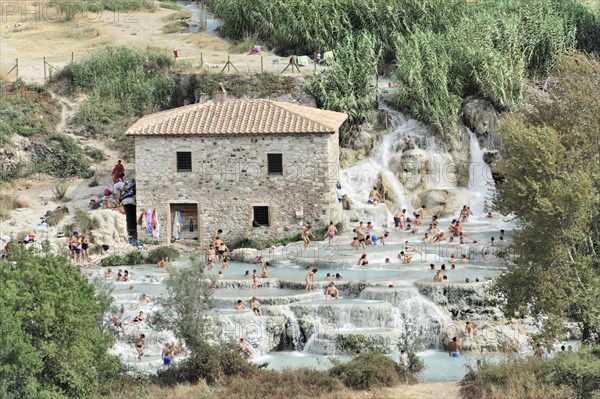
(261,64)
(44,68)
(72,56)
(17,66)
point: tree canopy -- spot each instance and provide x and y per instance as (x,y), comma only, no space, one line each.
(552,186)
(51,344)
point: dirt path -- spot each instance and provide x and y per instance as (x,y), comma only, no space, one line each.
(29,32)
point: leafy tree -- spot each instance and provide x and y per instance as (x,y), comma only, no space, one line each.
(552,186)
(51,345)
(184,311)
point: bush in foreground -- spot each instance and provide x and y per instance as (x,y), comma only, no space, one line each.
(51,345)
(367,370)
(567,375)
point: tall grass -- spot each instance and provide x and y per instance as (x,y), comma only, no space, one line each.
(122,84)
(444,50)
(68,9)
(350,84)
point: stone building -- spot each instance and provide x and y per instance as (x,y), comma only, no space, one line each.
(253,168)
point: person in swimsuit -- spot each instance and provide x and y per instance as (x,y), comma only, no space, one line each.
(166,355)
(244,347)
(454,348)
(331,232)
(117,325)
(469,328)
(139,346)
(399,218)
(463,259)
(139,318)
(362,238)
(328,277)
(490,215)
(222,251)
(126,276)
(109,274)
(120,275)
(379,237)
(240,305)
(406,258)
(363,260)
(338,276)
(310,279)
(255,306)
(145,299)
(374,197)
(265,272)
(331,291)
(438,276)
(163,262)
(85,246)
(254,279)
(306,234)
(404,360)
(224,263)
(75,247)
(452,259)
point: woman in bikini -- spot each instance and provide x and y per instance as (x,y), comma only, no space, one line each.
(306,233)
(310,279)
(139,318)
(331,232)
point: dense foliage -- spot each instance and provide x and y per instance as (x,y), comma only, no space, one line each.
(51,345)
(349,85)
(26,109)
(183,311)
(444,51)
(567,375)
(552,186)
(122,84)
(367,370)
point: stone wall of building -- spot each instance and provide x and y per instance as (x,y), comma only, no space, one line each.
(229,177)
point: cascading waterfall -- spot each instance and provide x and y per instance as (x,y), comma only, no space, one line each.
(358,180)
(480,177)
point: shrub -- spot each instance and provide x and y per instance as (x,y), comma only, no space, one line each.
(176,27)
(54,217)
(210,363)
(568,374)
(85,222)
(289,384)
(95,153)
(122,84)
(8,203)
(367,370)
(26,109)
(67,157)
(59,191)
(68,9)
(158,253)
(178,16)
(130,258)
(170,6)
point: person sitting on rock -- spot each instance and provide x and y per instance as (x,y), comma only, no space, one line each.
(404,257)
(332,291)
(374,197)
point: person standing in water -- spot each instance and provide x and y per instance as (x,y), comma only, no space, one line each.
(404,360)
(454,348)
(254,279)
(139,346)
(331,232)
(310,279)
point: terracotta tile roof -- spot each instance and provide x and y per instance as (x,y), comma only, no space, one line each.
(238,117)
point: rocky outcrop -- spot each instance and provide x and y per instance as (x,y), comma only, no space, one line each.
(444,202)
(473,301)
(484,120)
(488,336)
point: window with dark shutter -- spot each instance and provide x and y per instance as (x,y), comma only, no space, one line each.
(184,161)
(275,162)
(261,216)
